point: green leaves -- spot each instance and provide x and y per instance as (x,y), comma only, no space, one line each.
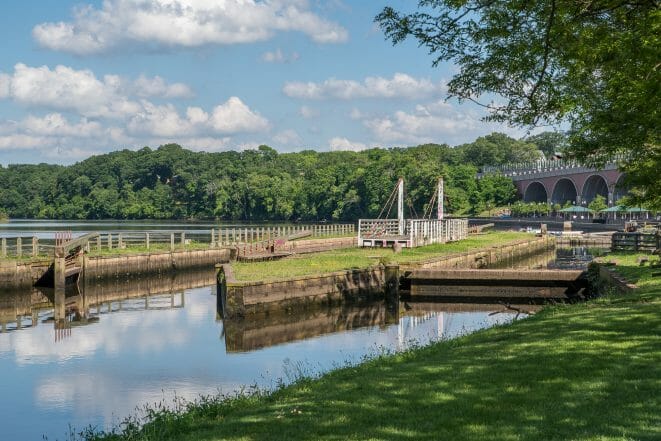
(591,65)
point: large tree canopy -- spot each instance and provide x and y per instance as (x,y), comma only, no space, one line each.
(592,64)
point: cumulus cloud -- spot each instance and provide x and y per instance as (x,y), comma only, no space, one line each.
(231,117)
(426,123)
(343,144)
(278,56)
(47,131)
(399,86)
(156,86)
(435,122)
(67,89)
(183,23)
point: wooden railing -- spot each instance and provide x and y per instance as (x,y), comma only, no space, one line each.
(64,243)
(23,246)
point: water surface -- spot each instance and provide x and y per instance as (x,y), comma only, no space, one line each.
(94,356)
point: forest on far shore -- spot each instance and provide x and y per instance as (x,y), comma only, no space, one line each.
(171,182)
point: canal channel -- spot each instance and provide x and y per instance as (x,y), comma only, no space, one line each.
(151,340)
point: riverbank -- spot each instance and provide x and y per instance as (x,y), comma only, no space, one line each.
(587,371)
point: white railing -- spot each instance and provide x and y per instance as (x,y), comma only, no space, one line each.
(545,166)
(417,232)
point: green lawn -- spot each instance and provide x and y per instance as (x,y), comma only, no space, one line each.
(348,258)
(588,371)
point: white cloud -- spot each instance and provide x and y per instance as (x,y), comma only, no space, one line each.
(234,116)
(337,144)
(183,23)
(399,86)
(67,89)
(435,122)
(47,131)
(288,138)
(273,57)
(231,117)
(156,86)
(308,112)
(278,56)
(356,114)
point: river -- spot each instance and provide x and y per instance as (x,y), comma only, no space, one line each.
(130,343)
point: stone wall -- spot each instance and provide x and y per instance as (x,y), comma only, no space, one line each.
(100,267)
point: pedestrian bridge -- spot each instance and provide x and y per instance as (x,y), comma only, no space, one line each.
(560,181)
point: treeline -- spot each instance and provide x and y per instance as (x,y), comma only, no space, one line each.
(174,183)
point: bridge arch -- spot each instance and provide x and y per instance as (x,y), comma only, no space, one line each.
(564,190)
(594,185)
(535,192)
(620,189)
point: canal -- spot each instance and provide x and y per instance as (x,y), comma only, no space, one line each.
(91,358)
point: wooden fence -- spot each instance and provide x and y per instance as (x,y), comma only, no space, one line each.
(31,246)
(23,246)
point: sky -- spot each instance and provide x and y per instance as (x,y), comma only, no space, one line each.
(79,78)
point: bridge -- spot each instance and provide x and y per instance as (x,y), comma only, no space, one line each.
(559,181)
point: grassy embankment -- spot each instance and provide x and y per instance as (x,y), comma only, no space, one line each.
(588,371)
(337,260)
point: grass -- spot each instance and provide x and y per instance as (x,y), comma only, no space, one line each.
(589,371)
(142,249)
(349,258)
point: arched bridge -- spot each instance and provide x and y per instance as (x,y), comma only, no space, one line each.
(560,181)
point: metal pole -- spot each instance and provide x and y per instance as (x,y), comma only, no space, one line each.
(440,199)
(400,205)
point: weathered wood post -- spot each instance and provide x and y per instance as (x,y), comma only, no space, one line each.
(19,247)
(147,242)
(3,247)
(183,240)
(110,241)
(59,270)
(171,242)
(120,241)
(213,238)
(35,246)
(98,243)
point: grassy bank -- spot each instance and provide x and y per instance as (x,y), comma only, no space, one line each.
(348,258)
(588,371)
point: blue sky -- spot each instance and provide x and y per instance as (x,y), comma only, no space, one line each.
(84,77)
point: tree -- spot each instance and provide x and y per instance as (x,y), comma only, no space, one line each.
(549,143)
(598,203)
(593,64)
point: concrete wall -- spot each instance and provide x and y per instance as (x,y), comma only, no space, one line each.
(249,298)
(18,274)
(151,263)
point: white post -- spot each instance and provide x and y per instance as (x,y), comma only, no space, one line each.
(400,205)
(439,213)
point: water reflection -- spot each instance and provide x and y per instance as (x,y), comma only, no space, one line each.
(91,354)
